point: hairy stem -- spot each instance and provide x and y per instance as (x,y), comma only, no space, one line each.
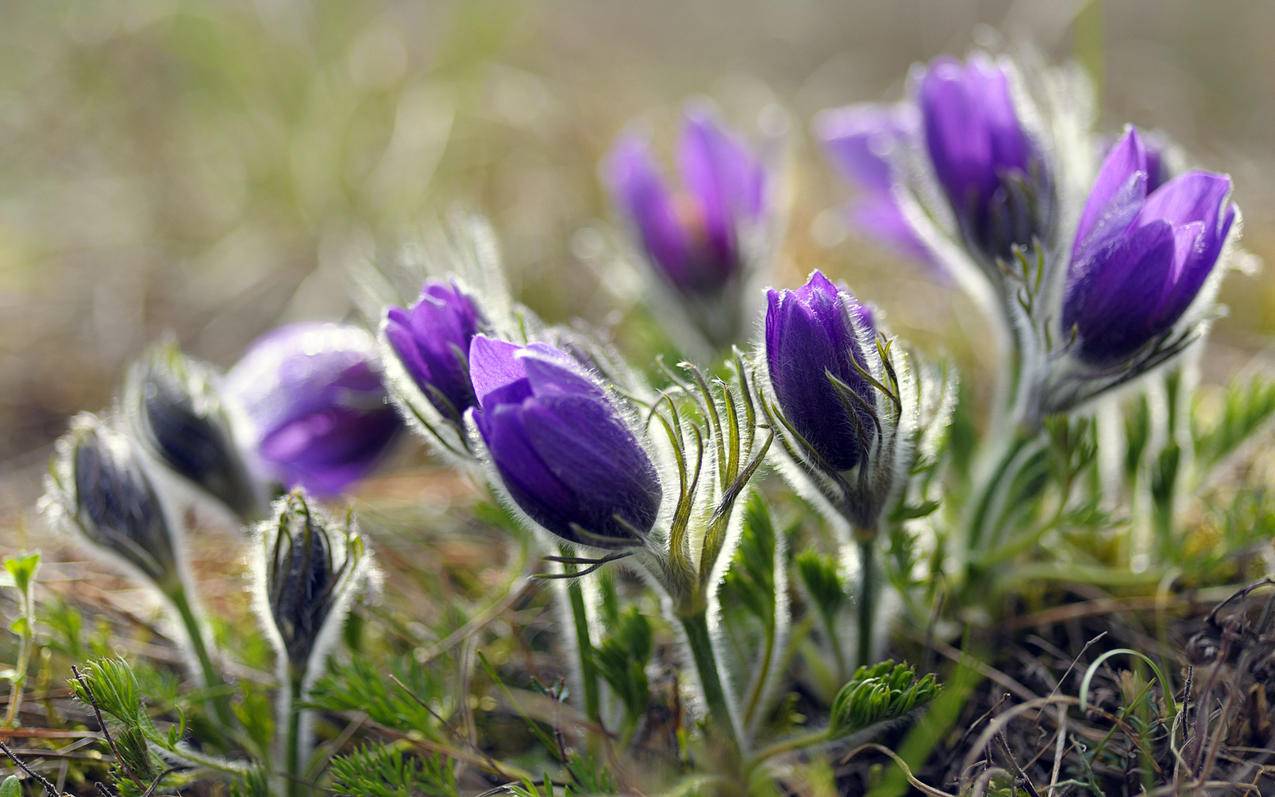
(293,743)
(219,700)
(867,603)
(724,726)
(588,670)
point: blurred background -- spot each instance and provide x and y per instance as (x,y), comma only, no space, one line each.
(212,169)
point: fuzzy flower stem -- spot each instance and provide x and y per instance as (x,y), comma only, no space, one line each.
(588,671)
(219,701)
(723,724)
(293,743)
(866,605)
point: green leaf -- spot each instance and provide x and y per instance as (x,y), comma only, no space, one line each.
(621,659)
(879,693)
(1245,409)
(114,690)
(821,577)
(11,787)
(21,568)
(389,772)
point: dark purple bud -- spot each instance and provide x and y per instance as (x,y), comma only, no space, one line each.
(813,342)
(99,488)
(311,562)
(560,446)
(1140,257)
(691,233)
(318,411)
(864,142)
(985,161)
(176,412)
(431,339)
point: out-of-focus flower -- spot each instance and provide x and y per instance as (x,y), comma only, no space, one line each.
(310,565)
(313,395)
(1141,256)
(559,445)
(815,359)
(864,142)
(175,410)
(691,234)
(986,163)
(98,489)
(431,340)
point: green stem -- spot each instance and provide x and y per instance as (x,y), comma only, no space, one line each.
(724,726)
(867,597)
(799,742)
(292,748)
(23,664)
(759,687)
(990,488)
(584,644)
(219,700)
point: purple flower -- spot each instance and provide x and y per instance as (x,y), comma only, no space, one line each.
(318,411)
(431,339)
(691,234)
(561,448)
(863,141)
(986,163)
(813,341)
(1140,257)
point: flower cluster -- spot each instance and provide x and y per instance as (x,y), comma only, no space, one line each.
(1097,271)
(1095,276)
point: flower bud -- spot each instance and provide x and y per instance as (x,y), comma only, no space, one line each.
(563,451)
(98,488)
(987,164)
(319,415)
(310,566)
(1141,256)
(175,411)
(429,343)
(815,338)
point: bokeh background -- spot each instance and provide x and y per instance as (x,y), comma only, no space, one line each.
(212,169)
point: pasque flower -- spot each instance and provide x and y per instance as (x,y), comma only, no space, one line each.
(1141,256)
(864,142)
(987,164)
(313,395)
(431,338)
(815,343)
(692,234)
(176,411)
(560,446)
(427,359)
(851,410)
(98,488)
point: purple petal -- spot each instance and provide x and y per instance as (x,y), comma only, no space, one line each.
(643,197)
(862,140)
(494,366)
(809,335)
(587,448)
(1115,305)
(314,397)
(1121,183)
